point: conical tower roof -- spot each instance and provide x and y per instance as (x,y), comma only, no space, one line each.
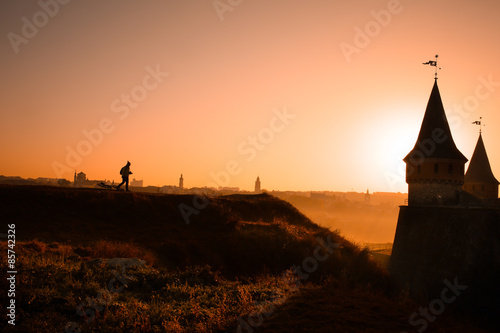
(434,139)
(479,170)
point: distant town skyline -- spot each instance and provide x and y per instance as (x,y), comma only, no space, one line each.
(81,180)
(310,95)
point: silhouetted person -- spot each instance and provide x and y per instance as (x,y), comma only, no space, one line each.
(125,171)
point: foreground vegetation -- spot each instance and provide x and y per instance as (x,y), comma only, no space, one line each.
(243,264)
(59,284)
(57,287)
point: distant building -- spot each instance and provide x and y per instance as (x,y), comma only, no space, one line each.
(319,195)
(257,185)
(137,183)
(48,181)
(209,191)
(324,200)
(151,189)
(367,197)
(169,189)
(181,182)
(228,190)
(80,179)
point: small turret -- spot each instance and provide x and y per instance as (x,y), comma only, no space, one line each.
(479,179)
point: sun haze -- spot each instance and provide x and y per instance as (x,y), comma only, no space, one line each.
(308,95)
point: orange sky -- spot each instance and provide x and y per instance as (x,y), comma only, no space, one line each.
(308,95)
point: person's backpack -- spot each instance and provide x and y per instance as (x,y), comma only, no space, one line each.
(122,170)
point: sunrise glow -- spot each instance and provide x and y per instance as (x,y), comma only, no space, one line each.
(309,95)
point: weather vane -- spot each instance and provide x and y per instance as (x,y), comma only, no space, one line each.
(480,123)
(433,63)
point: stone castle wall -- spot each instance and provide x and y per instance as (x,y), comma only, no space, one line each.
(427,193)
(436,243)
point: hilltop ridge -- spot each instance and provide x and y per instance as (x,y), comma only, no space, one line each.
(82,217)
(244,263)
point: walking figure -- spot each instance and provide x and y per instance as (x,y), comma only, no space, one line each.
(125,171)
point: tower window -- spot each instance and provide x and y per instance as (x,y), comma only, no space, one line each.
(450,169)
(436,168)
(419,168)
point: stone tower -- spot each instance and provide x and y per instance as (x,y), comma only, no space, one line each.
(435,166)
(447,234)
(479,179)
(257,185)
(181,182)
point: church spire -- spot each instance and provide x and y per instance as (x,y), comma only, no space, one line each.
(257,185)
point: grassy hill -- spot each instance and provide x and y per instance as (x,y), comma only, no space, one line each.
(265,234)
(243,263)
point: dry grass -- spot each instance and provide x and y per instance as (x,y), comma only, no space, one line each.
(191,300)
(113,249)
(208,276)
